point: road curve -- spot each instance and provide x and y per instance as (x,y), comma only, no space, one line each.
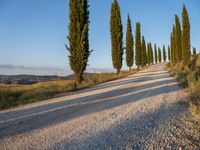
(146,110)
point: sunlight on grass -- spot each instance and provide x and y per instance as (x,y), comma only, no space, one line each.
(14,95)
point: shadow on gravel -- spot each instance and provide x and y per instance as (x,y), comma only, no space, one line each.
(77,100)
(136,133)
(60,111)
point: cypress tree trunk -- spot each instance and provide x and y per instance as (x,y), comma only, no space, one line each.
(138,45)
(117,71)
(78,77)
(186,37)
(178,44)
(78,37)
(116,36)
(155,53)
(144,55)
(129,44)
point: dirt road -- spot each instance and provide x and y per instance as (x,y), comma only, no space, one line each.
(146,110)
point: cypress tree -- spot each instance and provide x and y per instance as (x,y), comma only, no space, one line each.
(164,54)
(194,51)
(178,43)
(155,54)
(138,45)
(148,54)
(174,45)
(169,54)
(151,53)
(172,49)
(129,44)
(159,55)
(78,37)
(185,37)
(116,36)
(144,55)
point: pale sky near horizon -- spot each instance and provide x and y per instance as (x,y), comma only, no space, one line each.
(33,32)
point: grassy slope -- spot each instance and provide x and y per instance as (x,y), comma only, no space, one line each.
(14,95)
(189,78)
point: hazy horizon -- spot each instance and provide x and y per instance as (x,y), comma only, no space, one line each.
(9,69)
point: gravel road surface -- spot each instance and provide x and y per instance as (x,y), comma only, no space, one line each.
(146,110)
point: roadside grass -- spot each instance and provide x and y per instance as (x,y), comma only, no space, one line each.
(15,95)
(189,78)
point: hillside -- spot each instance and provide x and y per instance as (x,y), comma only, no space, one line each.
(33,79)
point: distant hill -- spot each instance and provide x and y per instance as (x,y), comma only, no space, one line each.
(33,79)
(8,69)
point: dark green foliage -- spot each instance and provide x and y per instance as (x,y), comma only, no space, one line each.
(159,55)
(174,45)
(169,54)
(129,44)
(172,48)
(155,54)
(144,55)
(78,37)
(185,37)
(151,53)
(138,45)
(116,36)
(194,51)
(148,54)
(178,43)
(164,54)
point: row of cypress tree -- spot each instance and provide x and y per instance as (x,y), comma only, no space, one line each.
(179,51)
(143,52)
(78,37)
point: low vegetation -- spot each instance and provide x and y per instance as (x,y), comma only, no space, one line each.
(14,95)
(189,77)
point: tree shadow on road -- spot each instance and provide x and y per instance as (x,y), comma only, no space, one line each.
(140,132)
(62,111)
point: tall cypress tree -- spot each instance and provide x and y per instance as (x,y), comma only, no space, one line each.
(185,37)
(159,55)
(138,45)
(169,54)
(155,54)
(172,49)
(116,36)
(129,44)
(174,45)
(178,43)
(194,51)
(151,53)
(148,54)
(164,53)
(144,55)
(78,37)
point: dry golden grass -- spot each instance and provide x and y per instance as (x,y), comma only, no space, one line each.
(189,78)
(14,95)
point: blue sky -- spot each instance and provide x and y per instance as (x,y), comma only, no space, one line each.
(33,32)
